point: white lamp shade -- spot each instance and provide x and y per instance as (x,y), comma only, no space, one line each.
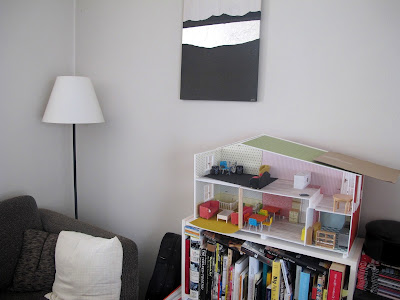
(73,101)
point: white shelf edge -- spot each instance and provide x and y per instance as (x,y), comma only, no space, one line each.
(351,260)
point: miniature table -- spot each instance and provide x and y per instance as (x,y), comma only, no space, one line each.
(273,209)
(337,198)
(224,215)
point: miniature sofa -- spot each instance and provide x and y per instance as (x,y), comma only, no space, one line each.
(21,213)
(208,209)
(258,182)
(235,215)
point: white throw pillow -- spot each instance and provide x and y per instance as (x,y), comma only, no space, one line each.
(87,268)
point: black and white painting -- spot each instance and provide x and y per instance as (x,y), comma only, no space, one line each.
(220,50)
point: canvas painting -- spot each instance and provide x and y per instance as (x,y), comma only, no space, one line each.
(220,50)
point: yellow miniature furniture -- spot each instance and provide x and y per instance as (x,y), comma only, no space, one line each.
(263,168)
(316,226)
(269,223)
(263,212)
(303,233)
(337,198)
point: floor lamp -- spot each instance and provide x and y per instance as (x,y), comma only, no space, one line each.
(73,101)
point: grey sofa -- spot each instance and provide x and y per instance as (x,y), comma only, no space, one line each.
(21,213)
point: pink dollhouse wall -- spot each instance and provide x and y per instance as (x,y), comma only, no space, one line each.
(282,167)
(284,203)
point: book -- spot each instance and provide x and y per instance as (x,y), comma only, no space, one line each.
(258,289)
(254,268)
(264,281)
(187,265)
(203,274)
(240,265)
(210,261)
(335,281)
(297,282)
(256,251)
(243,284)
(304,285)
(269,292)
(194,267)
(320,286)
(287,278)
(303,260)
(276,279)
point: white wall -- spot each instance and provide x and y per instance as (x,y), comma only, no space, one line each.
(36,40)
(329,77)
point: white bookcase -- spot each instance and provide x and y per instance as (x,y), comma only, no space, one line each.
(351,260)
(331,174)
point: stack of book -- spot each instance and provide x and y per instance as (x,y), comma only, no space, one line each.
(378,278)
(233,269)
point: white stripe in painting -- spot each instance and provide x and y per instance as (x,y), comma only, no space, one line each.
(211,36)
(196,10)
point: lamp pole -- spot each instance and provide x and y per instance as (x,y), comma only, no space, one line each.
(74,151)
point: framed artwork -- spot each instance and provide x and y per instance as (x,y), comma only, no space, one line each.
(220,50)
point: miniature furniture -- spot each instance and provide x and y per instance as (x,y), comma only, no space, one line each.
(326,239)
(258,182)
(208,209)
(273,210)
(253,223)
(223,166)
(228,205)
(337,198)
(269,223)
(263,212)
(21,213)
(294,216)
(224,215)
(235,215)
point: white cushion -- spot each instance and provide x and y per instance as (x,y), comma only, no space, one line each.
(87,267)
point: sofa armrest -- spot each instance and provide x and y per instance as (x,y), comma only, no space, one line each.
(54,222)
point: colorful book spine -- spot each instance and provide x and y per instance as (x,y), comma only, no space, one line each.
(320,286)
(264,281)
(335,281)
(203,274)
(297,282)
(276,279)
(304,285)
(254,268)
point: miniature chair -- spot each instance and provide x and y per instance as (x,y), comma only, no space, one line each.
(253,222)
(337,198)
(246,218)
(263,212)
(269,223)
(223,166)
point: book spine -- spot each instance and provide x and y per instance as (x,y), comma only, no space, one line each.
(297,282)
(187,265)
(304,285)
(210,268)
(334,286)
(194,267)
(264,281)
(203,274)
(276,279)
(320,286)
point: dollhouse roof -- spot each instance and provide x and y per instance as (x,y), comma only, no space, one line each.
(310,154)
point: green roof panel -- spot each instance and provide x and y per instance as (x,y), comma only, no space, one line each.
(283,147)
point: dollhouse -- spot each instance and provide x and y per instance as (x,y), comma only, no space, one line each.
(274,188)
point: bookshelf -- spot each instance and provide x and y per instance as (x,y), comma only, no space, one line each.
(351,260)
(325,173)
